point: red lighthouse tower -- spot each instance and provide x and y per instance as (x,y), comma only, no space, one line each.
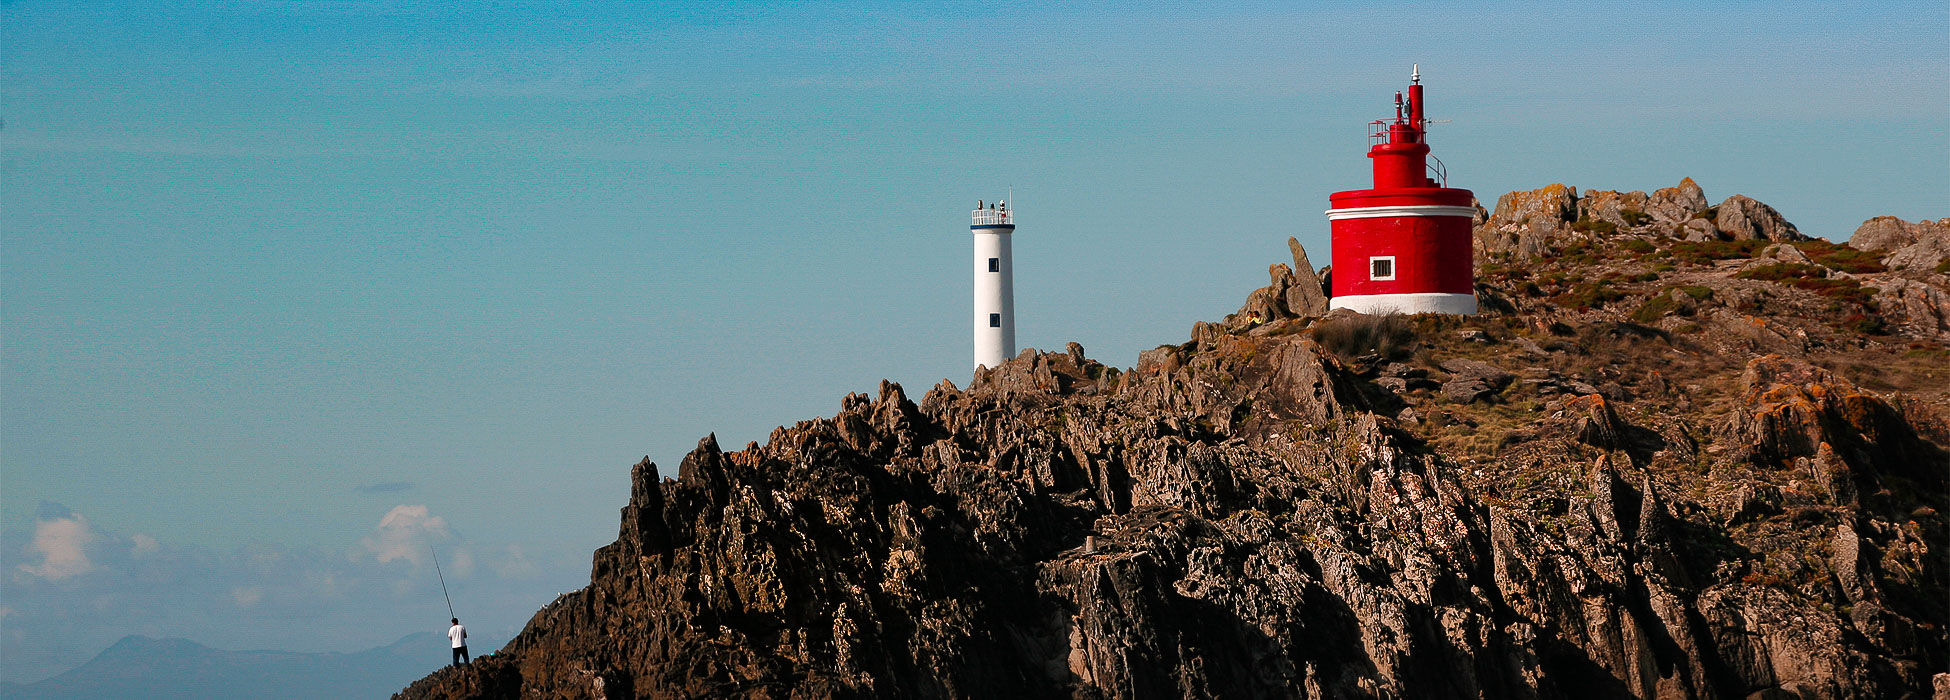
(1404,245)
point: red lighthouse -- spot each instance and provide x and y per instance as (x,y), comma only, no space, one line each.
(1404,245)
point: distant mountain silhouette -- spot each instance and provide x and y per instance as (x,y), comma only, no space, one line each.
(145,667)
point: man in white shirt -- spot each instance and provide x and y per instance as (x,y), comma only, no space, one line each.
(458,635)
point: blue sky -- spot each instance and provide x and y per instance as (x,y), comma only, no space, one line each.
(271,272)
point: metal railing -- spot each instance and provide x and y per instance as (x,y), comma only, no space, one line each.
(1378,132)
(991,217)
(1438,172)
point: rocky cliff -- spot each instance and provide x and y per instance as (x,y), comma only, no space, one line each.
(1686,452)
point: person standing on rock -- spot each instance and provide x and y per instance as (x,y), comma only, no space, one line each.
(458,635)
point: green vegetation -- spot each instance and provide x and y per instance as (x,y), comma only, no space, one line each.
(1813,278)
(1943,266)
(1588,295)
(1638,246)
(1927,352)
(1655,308)
(1579,253)
(1840,257)
(1705,252)
(1634,217)
(1667,303)
(1777,272)
(1594,225)
(1865,324)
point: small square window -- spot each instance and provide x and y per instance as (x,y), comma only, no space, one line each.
(1381,268)
(995,320)
(995,264)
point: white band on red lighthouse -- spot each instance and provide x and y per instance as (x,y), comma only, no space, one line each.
(1409,210)
(1408,303)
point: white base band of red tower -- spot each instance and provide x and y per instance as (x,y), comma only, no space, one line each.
(1437,303)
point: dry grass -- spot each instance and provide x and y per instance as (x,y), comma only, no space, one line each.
(1387,336)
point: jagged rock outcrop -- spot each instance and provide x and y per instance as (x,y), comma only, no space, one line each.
(1922,307)
(1921,246)
(1306,297)
(1624,209)
(1294,292)
(1532,223)
(1629,503)
(1525,223)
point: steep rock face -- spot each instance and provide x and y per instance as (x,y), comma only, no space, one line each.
(1621,504)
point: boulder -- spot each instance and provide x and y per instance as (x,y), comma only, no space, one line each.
(1698,230)
(1674,205)
(1882,234)
(1472,369)
(1920,245)
(1923,307)
(1473,381)
(1621,209)
(1783,252)
(1743,219)
(1467,390)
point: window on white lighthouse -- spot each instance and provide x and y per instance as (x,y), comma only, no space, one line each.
(995,320)
(995,264)
(1381,267)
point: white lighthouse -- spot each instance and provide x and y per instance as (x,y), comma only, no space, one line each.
(995,296)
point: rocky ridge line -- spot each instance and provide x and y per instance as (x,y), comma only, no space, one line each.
(1677,468)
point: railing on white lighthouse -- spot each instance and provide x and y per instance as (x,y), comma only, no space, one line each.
(992,217)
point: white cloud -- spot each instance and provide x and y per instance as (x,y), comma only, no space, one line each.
(407,532)
(144,545)
(462,565)
(514,564)
(62,543)
(246,596)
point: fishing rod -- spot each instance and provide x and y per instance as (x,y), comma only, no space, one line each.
(443,582)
